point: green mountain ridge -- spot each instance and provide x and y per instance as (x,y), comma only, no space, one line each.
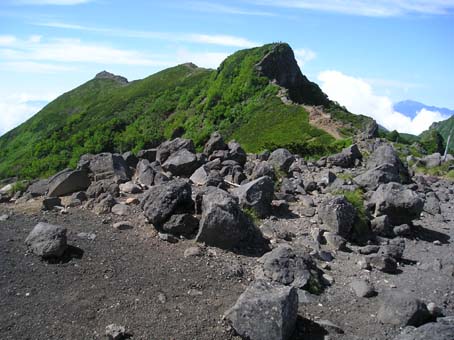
(240,99)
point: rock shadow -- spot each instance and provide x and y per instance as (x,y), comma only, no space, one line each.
(428,235)
(70,253)
(308,330)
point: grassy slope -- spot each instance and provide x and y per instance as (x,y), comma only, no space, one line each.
(103,115)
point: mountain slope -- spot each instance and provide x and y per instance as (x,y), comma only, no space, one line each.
(239,99)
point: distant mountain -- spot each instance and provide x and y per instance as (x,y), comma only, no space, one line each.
(410,108)
(254,96)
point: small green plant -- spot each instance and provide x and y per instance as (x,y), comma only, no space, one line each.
(356,198)
(252,215)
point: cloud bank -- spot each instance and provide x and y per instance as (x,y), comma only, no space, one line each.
(358,96)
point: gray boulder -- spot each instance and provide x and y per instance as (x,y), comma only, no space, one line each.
(402,309)
(162,201)
(130,159)
(381,226)
(47,240)
(265,311)
(440,330)
(50,203)
(432,161)
(288,266)
(281,159)
(215,143)
(432,203)
(236,153)
(169,147)
(68,181)
(256,195)
(200,176)
(338,215)
(130,188)
(145,173)
(109,166)
(38,188)
(223,223)
(347,158)
(401,205)
(385,154)
(263,168)
(96,189)
(181,163)
(381,174)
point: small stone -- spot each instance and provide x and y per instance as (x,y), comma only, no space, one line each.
(120,209)
(362,288)
(369,249)
(364,264)
(3,218)
(434,310)
(115,332)
(167,237)
(123,225)
(132,201)
(87,236)
(328,279)
(402,230)
(193,251)
(162,298)
(437,243)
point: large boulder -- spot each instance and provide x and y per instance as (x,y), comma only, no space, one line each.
(236,153)
(109,166)
(181,163)
(289,267)
(402,309)
(432,161)
(443,329)
(145,173)
(338,215)
(347,158)
(402,205)
(47,240)
(385,154)
(223,223)
(257,195)
(169,147)
(215,143)
(265,311)
(281,159)
(381,174)
(68,181)
(162,201)
(38,188)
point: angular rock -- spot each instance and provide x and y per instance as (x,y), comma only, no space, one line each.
(385,154)
(256,195)
(169,147)
(105,204)
(216,142)
(263,169)
(200,176)
(381,174)
(338,215)
(432,203)
(130,159)
(434,330)
(96,189)
(334,241)
(181,163)
(68,181)
(120,209)
(181,225)
(237,153)
(432,161)
(381,226)
(47,240)
(148,154)
(162,201)
(281,159)
(50,203)
(38,188)
(401,205)
(346,158)
(384,263)
(109,166)
(265,311)
(402,309)
(130,188)
(223,224)
(145,173)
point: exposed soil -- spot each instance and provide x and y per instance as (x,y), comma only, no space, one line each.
(133,278)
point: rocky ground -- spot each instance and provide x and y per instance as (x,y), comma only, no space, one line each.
(169,258)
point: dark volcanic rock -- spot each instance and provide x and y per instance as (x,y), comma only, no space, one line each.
(338,215)
(223,223)
(130,159)
(402,309)
(38,188)
(215,143)
(346,158)
(169,147)
(145,173)
(109,166)
(441,330)
(281,159)
(257,195)
(385,154)
(181,163)
(401,205)
(237,153)
(181,224)
(68,181)
(47,240)
(265,311)
(381,174)
(162,201)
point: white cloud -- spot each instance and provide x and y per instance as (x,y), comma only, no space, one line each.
(358,97)
(52,2)
(372,8)
(304,55)
(202,6)
(208,39)
(34,67)
(17,108)
(6,40)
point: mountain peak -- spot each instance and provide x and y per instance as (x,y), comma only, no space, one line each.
(108,75)
(280,66)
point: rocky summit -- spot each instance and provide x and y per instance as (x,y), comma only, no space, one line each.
(180,242)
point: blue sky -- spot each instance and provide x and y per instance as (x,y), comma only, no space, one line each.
(364,54)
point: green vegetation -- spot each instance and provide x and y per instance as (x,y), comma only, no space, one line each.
(106,115)
(252,215)
(432,141)
(361,225)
